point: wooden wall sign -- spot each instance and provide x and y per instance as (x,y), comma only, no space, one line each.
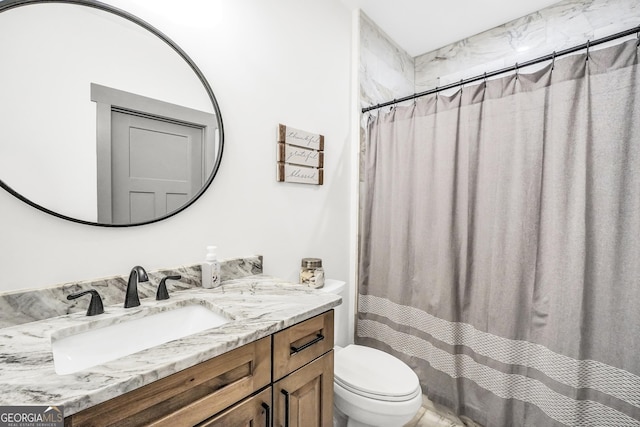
(300,156)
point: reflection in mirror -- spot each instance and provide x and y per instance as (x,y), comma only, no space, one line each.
(105,121)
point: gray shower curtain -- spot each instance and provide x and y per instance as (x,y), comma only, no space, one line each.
(500,243)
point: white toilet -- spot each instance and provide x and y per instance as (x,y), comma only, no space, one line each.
(371,387)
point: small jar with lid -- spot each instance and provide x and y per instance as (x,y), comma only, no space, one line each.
(312,273)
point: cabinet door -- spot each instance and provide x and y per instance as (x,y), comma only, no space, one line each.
(305,397)
(252,412)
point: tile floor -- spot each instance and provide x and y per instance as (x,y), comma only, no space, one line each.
(430,415)
(434,415)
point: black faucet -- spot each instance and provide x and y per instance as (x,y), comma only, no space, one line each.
(95,306)
(137,275)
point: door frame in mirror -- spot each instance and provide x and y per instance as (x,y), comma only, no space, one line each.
(11,4)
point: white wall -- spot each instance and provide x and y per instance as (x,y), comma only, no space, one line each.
(281,61)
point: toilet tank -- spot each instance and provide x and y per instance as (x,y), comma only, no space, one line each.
(341,319)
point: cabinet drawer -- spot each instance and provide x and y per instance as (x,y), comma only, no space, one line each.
(254,411)
(187,397)
(301,343)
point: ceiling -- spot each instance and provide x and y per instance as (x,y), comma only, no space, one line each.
(420,26)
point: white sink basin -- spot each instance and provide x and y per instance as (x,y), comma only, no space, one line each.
(103,344)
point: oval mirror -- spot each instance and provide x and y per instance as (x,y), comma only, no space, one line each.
(103,119)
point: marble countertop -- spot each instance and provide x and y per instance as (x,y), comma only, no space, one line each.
(257,305)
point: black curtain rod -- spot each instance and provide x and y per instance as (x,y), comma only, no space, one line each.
(515,67)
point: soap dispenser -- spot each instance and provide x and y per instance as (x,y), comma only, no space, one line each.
(211,269)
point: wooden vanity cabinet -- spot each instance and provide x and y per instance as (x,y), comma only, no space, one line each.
(283,380)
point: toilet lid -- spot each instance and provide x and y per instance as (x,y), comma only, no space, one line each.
(375,374)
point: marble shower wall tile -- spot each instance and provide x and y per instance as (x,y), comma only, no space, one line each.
(563,25)
(386,70)
(27,306)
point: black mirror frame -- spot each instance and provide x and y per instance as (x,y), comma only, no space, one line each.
(10,4)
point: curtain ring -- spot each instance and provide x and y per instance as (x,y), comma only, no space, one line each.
(588,46)
(638,36)
(461,84)
(553,61)
(517,71)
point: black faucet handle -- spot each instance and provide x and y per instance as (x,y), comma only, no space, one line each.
(162,287)
(95,306)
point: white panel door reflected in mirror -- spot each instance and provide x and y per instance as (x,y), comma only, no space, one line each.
(55,55)
(156,167)
(152,156)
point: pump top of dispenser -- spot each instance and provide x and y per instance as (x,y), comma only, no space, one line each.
(211,253)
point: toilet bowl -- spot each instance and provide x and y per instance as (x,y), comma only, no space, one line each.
(371,387)
(374,388)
